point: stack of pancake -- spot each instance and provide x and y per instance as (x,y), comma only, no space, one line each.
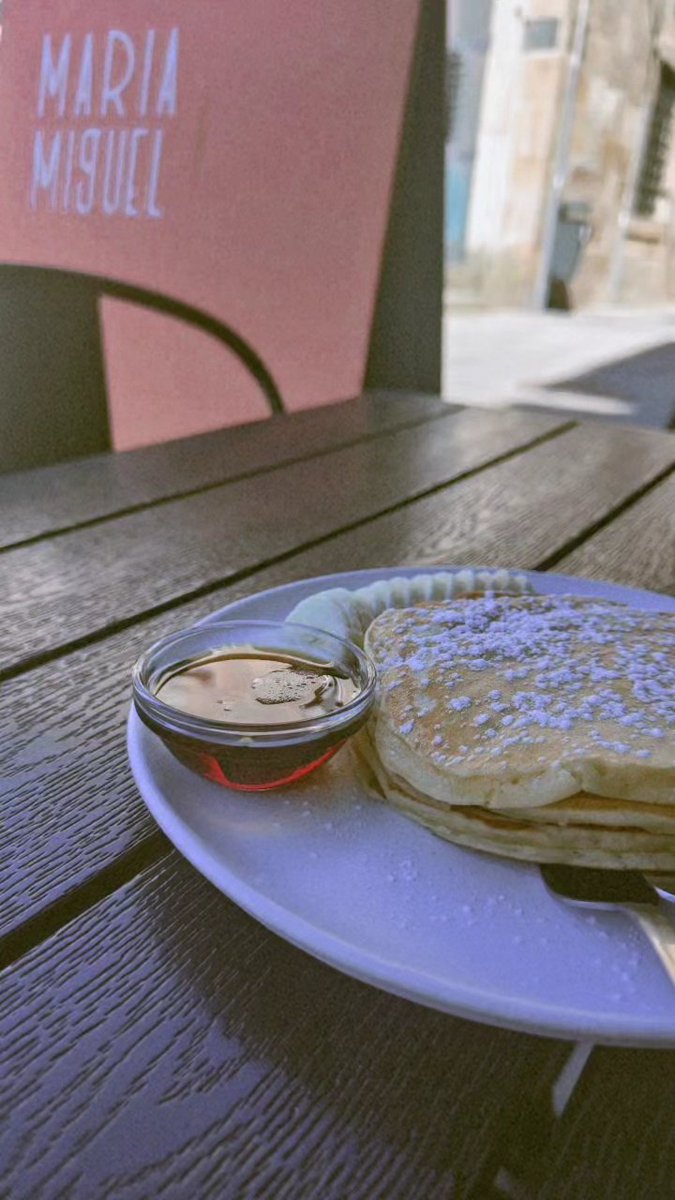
(537,727)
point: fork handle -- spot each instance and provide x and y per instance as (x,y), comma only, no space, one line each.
(661,932)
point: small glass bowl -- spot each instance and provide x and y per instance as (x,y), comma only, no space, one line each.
(246,756)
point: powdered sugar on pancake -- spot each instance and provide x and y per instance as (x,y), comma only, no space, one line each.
(529,700)
(348,613)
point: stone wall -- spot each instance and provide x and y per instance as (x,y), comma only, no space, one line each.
(616,87)
(517,137)
(627,259)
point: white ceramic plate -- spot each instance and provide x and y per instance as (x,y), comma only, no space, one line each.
(377,896)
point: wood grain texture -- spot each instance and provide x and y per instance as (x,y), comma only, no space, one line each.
(618,1137)
(37,502)
(638,548)
(91,579)
(521,512)
(166,1044)
(70,812)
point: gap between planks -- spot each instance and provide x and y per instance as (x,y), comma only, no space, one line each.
(186,493)
(595,527)
(32,661)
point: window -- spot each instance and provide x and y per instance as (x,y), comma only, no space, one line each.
(541,34)
(650,183)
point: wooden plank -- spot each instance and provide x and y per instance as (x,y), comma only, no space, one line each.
(186,1051)
(618,1138)
(93,579)
(70,815)
(526,511)
(38,502)
(638,548)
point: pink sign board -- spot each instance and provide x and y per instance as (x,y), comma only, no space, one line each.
(236,156)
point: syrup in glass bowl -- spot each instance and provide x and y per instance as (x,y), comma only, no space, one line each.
(253,704)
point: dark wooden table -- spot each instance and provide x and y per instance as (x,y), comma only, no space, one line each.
(155,1039)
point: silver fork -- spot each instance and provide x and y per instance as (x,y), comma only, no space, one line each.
(664,884)
(636,894)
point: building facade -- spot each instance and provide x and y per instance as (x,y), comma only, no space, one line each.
(561,156)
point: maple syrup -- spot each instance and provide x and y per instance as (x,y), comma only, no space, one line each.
(255,688)
(253,704)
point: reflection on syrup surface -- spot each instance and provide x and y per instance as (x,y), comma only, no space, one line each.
(256,688)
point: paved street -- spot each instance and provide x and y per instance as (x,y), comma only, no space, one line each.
(614,364)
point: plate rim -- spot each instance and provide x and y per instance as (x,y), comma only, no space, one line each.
(474,1004)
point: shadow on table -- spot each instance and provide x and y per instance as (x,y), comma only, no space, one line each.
(646,380)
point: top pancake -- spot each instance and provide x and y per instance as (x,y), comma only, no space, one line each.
(516,702)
